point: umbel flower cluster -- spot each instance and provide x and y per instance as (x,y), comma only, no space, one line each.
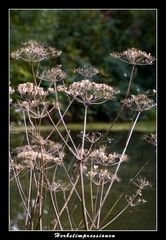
(32,51)
(87,71)
(101,157)
(34,101)
(37,155)
(136,199)
(88,92)
(134,56)
(29,90)
(53,75)
(100,176)
(139,103)
(151,138)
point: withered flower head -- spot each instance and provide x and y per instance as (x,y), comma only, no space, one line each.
(100,176)
(139,102)
(92,137)
(101,157)
(89,92)
(87,71)
(29,90)
(134,200)
(141,183)
(53,75)
(134,56)
(58,186)
(152,138)
(32,51)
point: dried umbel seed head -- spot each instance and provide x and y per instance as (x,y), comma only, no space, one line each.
(101,157)
(58,186)
(36,108)
(30,156)
(141,183)
(88,92)
(32,51)
(53,75)
(100,176)
(87,71)
(139,102)
(152,138)
(134,56)
(29,90)
(91,137)
(49,146)
(134,200)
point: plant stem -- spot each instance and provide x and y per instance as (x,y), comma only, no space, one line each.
(117,168)
(81,171)
(101,197)
(91,192)
(64,124)
(33,73)
(137,193)
(67,200)
(116,216)
(122,106)
(120,196)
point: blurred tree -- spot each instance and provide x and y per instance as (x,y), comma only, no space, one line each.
(88,37)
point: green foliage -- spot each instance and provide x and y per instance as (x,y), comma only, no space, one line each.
(88,37)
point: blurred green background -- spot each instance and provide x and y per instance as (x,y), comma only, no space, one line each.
(88,37)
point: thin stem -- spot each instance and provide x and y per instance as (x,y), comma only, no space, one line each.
(129,218)
(26,129)
(67,210)
(91,191)
(97,196)
(30,176)
(137,193)
(41,203)
(29,194)
(33,73)
(64,124)
(60,119)
(120,196)
(68,198)
(122,106)
(71,181)
(81,171)
(20,192)
(117,168)
(53,204)
(116,216)
(61,135)
(101,197)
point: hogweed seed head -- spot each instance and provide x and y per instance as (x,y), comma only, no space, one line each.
(87,71)
(100,176)
(32,51)
(134,56)
(91,137)
(152,138)
(29,90)
(53,75)
(139,102)
(141,183)
(89,92)
(134,200)
(101,157)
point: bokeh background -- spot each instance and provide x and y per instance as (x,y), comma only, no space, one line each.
(88,37)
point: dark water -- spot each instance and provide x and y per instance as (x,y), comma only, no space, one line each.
(142,217)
